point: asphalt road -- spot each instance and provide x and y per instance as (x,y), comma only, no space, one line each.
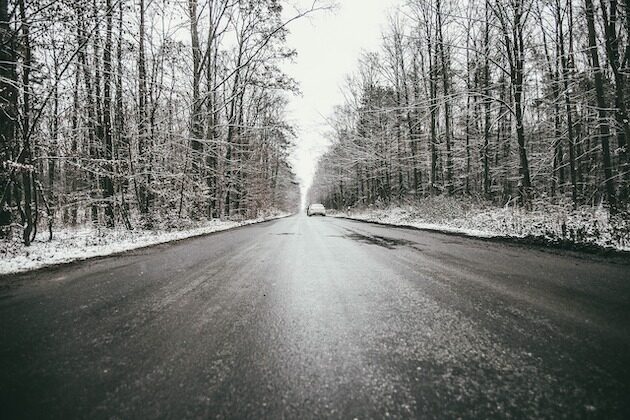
(319,318)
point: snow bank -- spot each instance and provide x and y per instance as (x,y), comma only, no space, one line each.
(547,223)
(70,245)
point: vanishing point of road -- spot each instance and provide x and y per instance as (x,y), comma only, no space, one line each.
(319,318)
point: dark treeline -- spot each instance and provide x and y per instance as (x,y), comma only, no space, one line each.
(508,101)
(132,112)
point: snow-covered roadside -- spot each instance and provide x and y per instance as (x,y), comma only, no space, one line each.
(581,228)
(395,220)
(70,245)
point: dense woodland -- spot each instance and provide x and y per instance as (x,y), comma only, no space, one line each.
(507,101)
(142,112)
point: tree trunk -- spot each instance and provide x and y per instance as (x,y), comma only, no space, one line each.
(567,102)
(446,90)
(195,114)
(433,111)
(622,126)
(486,105)
(604,129)
(8,111)
(143,131)
(108,147)
(91,117)
(26,157)
(517,83)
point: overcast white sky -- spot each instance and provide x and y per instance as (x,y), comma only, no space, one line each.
(328,45)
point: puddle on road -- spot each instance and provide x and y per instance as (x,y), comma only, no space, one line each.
(383,241)
(287,234)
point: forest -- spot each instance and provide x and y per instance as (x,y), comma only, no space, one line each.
(155,114)
(142,113)
(511,103)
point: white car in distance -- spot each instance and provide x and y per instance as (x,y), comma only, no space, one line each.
(314,209)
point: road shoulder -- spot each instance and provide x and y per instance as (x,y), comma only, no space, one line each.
(70,246)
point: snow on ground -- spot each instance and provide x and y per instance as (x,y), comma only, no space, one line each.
(559,223)
(73,244)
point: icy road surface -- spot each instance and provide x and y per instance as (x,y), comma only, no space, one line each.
(319,317)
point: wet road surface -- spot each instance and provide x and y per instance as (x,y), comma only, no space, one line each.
(319,317)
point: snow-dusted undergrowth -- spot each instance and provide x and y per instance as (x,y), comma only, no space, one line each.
(559,223)
(72,244)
